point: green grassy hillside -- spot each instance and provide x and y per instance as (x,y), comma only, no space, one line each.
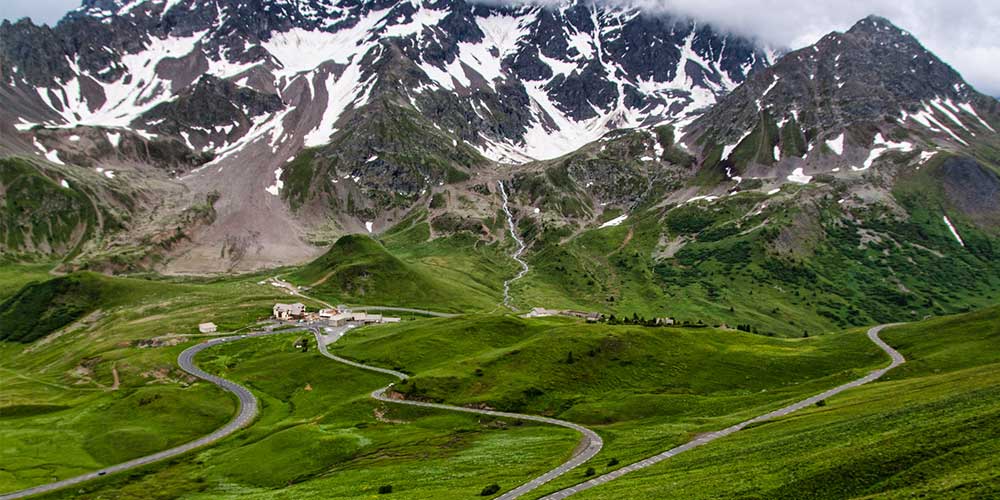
(798,261)
(439,275)
(62,412)
(321,436)
(41,308)
(930,429)
(641,388)
(39,218)
(14,276)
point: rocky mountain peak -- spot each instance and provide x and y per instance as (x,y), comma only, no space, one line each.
(869,74)
(584,69)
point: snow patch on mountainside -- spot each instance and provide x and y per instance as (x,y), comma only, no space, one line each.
(137,91)
(341,92)
(798,176)
(275,188)
(339,39)
(953,231)
(837,144)
(617,221)
(881,146)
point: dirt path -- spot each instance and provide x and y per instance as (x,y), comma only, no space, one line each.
(628,238)
(323,279)
(114,373)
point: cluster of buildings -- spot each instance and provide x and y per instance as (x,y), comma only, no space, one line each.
(540,312)
(339,316)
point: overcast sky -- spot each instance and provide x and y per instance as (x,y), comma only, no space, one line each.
(965,33)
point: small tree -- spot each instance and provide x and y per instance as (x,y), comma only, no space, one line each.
(821,403)
(490,490)
(569,358)
(613,462)
(382,490)
(590,472)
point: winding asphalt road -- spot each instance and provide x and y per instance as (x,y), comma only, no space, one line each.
(247,412)
(590,443)
(897,359)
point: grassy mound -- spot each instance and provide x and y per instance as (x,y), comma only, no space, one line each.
(358,269)
(643,389)
(39,309)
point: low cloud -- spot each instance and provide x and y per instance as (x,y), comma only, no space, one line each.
(964,33)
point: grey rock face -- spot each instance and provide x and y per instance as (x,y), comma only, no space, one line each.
(618,67)
(872,73)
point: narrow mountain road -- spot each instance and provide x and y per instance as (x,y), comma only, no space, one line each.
(590,443)
(897,359)
(247,412)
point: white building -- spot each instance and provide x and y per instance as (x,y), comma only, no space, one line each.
(327,313)
(340,319)
(289,311)
(207,328)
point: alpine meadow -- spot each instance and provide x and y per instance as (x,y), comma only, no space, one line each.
(455,249)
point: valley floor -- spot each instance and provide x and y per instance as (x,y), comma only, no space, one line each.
(70,401)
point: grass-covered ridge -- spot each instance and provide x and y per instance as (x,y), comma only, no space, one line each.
(106,387)
(41,308)
(807,259)
(549,366)
(929,429)
(642,389)
(438,275)
(39,218)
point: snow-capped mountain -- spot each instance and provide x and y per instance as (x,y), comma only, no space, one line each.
(255,131)
(872,72)
(571,73)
